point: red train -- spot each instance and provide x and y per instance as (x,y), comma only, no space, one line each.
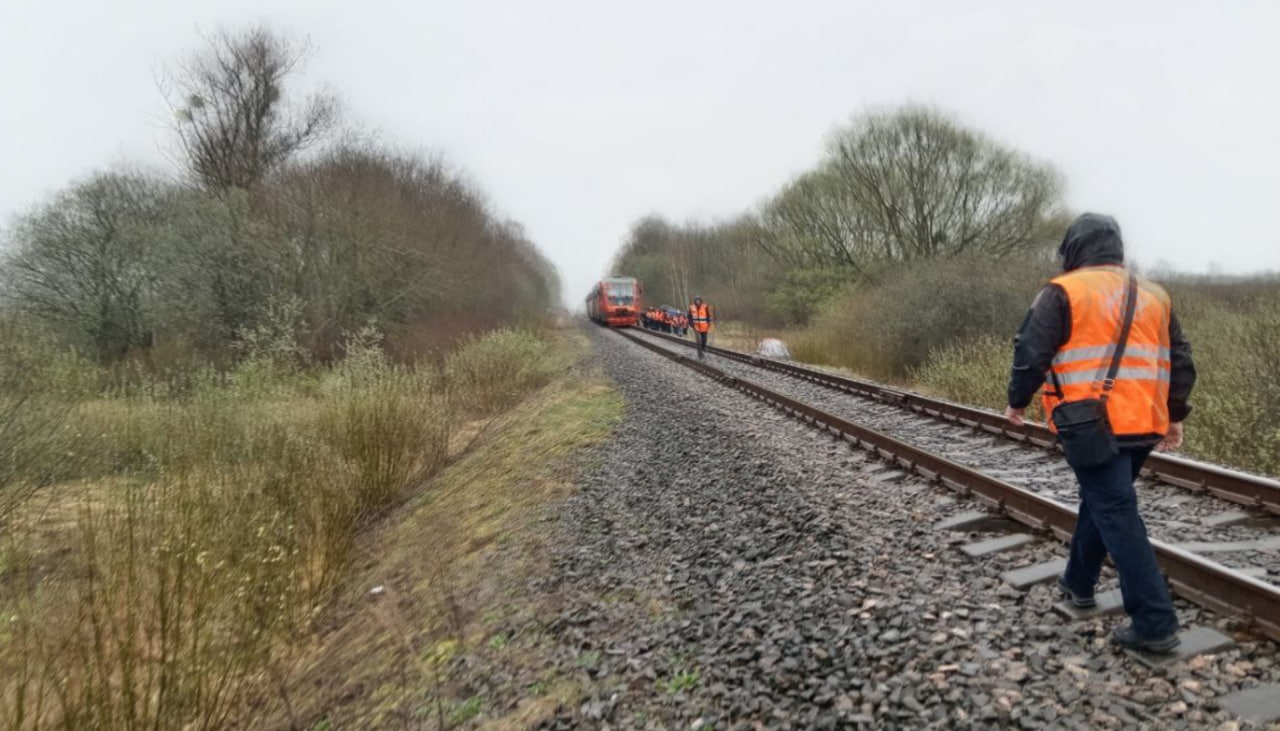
(615,301)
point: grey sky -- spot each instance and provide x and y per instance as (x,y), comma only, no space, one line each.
(579,116)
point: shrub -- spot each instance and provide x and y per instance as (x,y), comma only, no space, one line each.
(973,372)
(391,428)
(970,371)
(492,372)
(889,323)
(803,293)
(30,440)
(184,587)
(1236,347)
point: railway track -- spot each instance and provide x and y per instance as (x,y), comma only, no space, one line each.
(1237,487)
(1230,591)
(1188,518)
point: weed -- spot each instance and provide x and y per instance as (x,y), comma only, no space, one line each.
(681,681)
(467,710)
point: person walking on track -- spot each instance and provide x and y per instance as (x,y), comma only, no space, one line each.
(1119,374)
(701,319)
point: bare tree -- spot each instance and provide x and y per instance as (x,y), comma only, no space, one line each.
(924,187)
(814,223)
(85,260)
(233,120)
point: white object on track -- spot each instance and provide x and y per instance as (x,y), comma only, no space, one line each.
(773,348)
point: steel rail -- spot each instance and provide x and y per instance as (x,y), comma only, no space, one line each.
(1254,603)
(1237,487)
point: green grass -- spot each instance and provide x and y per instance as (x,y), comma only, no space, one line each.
(466,710)
(682,680)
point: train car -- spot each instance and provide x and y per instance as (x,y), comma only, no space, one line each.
(615,301)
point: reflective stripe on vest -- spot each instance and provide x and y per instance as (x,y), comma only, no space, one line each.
(1139,402)
(1104,351)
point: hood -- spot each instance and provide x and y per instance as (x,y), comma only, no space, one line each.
(1092,240)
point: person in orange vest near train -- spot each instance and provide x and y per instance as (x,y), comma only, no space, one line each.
(700,317)
(1119,373)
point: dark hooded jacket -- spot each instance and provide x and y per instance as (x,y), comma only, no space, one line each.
(1091,240)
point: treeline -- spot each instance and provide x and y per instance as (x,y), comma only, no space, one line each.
(274,212)
(892,188)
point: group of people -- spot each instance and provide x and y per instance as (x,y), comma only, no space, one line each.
(670,320)
(665,319)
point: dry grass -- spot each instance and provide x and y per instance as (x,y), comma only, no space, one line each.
(972,372)
(493,372)
(1237,352)
(741,336)
(1236,345)
(194,537)
(454,565)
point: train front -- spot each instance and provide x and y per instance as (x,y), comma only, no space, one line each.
(622,301)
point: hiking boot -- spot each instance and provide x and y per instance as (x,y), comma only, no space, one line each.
(1079,601)
(1126,637)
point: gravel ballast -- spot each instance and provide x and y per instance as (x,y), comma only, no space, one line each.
(725,567)
(1172,514)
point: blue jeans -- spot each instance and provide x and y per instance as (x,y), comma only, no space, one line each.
(1108,523)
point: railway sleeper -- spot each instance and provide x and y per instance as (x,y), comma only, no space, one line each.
(1194,640)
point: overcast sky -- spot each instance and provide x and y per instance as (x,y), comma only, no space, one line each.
(579,116)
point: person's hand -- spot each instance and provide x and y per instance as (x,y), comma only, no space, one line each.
(1173,439)
(1015,415)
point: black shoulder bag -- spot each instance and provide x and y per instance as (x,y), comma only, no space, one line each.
(1084,429)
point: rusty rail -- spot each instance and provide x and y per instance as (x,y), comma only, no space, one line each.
(1237,487)
(1254,603)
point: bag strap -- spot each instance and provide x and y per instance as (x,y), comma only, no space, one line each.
(1129,306)
(1109,382)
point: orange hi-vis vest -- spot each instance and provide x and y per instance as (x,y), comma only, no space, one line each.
(1139,403)
(700,316)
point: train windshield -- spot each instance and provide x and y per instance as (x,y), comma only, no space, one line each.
(621,293)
